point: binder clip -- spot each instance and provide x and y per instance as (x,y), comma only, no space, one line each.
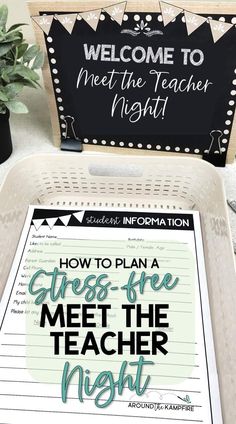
(70,142)
(214,153)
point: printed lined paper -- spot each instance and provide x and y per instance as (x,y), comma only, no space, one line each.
(183,383)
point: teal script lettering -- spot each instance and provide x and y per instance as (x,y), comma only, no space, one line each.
(105,382)
(154,281)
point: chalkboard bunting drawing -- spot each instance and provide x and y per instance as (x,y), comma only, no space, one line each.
(92,18)
(193,21)
(169,12)
(145,77)
(219,29)
(116,11)
(68,21)
(44,22)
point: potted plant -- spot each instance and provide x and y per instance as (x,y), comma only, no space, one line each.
(18,62)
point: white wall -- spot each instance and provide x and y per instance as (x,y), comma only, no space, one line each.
(18,13)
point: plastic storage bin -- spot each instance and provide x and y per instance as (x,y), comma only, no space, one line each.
(82,180)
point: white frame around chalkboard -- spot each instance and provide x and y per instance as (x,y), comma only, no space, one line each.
(199,7)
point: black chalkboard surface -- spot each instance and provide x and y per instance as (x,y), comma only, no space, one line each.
(142,85)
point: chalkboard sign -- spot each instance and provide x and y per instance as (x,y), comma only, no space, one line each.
(143,85)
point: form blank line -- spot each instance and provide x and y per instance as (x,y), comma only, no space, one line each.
(74,398)
(63,347)
(93,413)
(89,254)
(91,360)
(125,350)
(72,384)
(96,372)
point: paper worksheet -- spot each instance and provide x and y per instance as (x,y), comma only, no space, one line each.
(106,314)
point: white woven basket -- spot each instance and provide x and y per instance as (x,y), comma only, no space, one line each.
(140,182)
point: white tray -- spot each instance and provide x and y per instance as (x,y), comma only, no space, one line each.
(142,182)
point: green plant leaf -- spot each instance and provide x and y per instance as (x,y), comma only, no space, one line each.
(11,90)
(25,72)
(14,27)
(5,76)
(32,84)
(3,97)
(3,16)
(19,39)
(7,38)
(6,73)
(22,49)
(9,58)
(30,53)
(4,48)
(38,61)
(16,107)
(18,62)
